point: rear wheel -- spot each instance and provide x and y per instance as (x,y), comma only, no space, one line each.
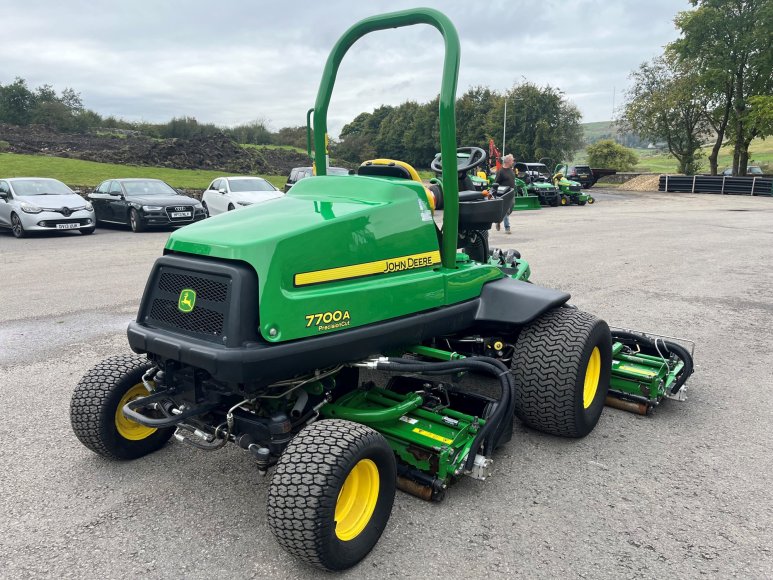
(332,493)
(135,221)
(476,246)
(16,226)
(95,410)
(561,366)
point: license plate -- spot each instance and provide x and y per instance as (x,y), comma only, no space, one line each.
(177,214)
(67,226)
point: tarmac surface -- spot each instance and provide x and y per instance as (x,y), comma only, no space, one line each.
(683,493)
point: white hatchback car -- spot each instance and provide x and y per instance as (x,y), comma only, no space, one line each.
(38,204)
(229,193)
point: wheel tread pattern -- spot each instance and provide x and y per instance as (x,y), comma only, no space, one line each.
(305,485)
(545,365)
(92,393)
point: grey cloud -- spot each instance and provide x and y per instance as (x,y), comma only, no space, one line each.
(235,61)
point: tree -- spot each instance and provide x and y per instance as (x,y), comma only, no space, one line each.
(16,103)
(607,153)
(729,47)
(662,106)
(540,122)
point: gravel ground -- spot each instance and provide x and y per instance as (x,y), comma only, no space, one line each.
(683,493)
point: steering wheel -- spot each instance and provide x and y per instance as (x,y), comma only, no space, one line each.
(476,157)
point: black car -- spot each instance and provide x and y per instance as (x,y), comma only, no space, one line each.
(583,174)
(143,203)
(299,173)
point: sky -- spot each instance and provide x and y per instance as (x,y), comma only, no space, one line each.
(235,61)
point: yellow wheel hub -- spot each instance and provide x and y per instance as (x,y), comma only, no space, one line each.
(127,428)
(592,375)
(357,500)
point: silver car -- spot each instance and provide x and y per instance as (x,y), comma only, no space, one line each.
(38,204)
(228,193)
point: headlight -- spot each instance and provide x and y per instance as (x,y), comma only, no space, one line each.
(89,207)
(244,203)
(30,208)
(152,207)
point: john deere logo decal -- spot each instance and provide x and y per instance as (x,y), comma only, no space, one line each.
(187,300)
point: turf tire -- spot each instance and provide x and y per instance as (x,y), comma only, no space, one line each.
(478,251)
(94,404)
(306,485)
(549,365)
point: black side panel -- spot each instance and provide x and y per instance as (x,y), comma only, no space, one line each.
(516,302)
(262,363)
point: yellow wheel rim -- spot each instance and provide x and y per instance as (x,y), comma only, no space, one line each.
(563,201)
(592,375)
(357,500)
(127,428)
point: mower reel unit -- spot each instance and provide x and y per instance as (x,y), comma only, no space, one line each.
(255,325)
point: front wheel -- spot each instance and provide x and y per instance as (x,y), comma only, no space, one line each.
(332,492)
(564,200)
(96,410)
(87,231)
(591,201)
(206,209)
(135,221)
(561,367)
(580,203)
(16,226)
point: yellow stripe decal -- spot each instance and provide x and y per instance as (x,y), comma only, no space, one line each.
(634,370)
(387,266)
(434,436)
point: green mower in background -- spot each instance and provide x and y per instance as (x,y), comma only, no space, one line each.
(254,327)
(571,191)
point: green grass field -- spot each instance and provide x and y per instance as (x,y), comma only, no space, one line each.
(760,153)
(91,174)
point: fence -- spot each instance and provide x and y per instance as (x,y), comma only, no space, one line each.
(721,184)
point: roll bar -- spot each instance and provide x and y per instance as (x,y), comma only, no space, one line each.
(447,107)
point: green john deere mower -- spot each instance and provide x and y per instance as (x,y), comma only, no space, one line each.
(254,325)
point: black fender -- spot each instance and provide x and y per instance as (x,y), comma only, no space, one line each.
(516,302)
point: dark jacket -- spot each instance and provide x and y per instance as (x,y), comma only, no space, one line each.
(505,177)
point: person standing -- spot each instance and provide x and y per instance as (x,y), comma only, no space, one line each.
(506,178)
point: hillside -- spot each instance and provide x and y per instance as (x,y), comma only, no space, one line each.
(215,153)
(592,132)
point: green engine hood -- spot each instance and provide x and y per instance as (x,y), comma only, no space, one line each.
(318,250)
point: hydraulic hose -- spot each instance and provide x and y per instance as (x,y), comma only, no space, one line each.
(657,346)
(481,364)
